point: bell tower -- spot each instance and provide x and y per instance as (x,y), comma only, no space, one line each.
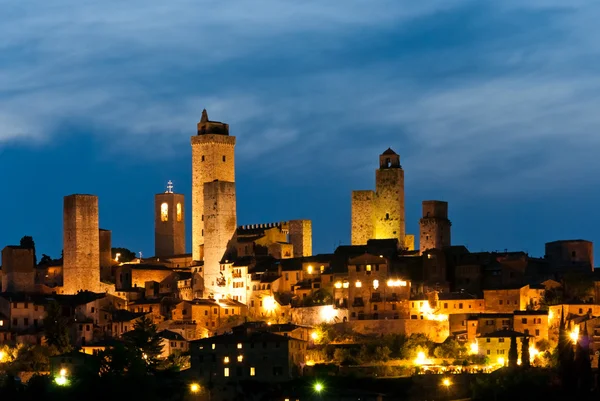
(169,223)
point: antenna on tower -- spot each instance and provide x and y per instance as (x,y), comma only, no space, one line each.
(169,187)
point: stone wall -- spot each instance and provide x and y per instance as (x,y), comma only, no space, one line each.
(562,254)
(363,228)
(18,273)
(301,237)
(389,204)
(314,315)
(106,259)
(81,244)
(434,226)
(436,331)
(220,226)
(212,159)
(169,225)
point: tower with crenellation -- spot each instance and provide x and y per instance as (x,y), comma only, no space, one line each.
(380,214)
(214,218)
(434,226)
(169,223)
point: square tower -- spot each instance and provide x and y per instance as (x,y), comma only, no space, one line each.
(434,226)
(220,226)
(169,224)
(379,214)
(301,237)
(213,158)
(18,269)
(81,244)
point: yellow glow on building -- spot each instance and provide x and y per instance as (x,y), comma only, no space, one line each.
(375,284)
(574,334)
(358,284)
(309,269)
(396,283)
(164,212)
(226,359)
(501,361)
(226,372)
(314,335)
(338,284)
(214,346)
(346,284)
(430,314)
(328,313)
(239,345)
(421,359)
(474,348)
(252,371)
(179,212)
(240,358)
(269,304)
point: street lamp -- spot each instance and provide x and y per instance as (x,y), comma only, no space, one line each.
(318,387)
(195,388)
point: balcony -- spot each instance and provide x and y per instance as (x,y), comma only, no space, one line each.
(358,302)
(236,275)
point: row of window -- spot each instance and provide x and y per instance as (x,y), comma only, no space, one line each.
(164,212)
(25,306)
(224,158)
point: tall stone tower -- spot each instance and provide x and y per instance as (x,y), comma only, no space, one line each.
(434,230)
(379,214)
(81,244)
(301,237)
(169,223)
(18,269)
(213,194)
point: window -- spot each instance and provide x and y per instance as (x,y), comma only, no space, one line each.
(179,212)
(500,302)
(460,306)
(501,340)
(524,320)
(164,212)
(224,158)
(489,352)
(252,371)
(226,372)
(239,345)
(445,305)
(537,332)
(387,216)
(488,340)
(202,157)
(26,321)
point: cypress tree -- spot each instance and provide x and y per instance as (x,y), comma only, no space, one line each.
(513,353)
(565,354)
(583,364)
(525,357)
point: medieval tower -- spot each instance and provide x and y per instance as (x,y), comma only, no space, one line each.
(81,244)
(379,214)
(213,197)
(169,223)
(434,226)
(301,237)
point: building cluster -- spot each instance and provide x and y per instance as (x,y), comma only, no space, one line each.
(212,301)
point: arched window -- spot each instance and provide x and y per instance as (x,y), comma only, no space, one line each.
(179,212)
(164,212)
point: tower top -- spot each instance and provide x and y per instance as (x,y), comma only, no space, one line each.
(207,127)
(170,186)
(389,151)
(389,159)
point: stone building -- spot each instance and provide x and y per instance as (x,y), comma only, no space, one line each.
(568,255)
(434,226)
(81,244)
(106,260)
(379,214)
(213,160)
(169,224)
(18,272)
(495,345)
(301,237)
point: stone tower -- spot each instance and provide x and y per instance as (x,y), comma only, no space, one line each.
(106,260)
(379,214)
(81,244)
(18,269)
(434,226)
(301,237)
(220,224)
(169,223)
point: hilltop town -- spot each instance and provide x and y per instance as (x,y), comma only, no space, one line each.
(253,303)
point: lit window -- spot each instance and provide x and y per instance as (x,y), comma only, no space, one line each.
(346,284)
(164,212)
(368,268)
(358,284)
(179,212)
(214,346)
(252,371)
(375,284)
(226,372)
(239,345)
(240,358)
(226,359)
(309,269)
(338,284)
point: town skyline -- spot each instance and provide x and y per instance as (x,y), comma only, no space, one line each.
(485,119)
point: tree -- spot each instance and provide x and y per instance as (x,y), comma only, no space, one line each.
(45,260)
(564,350)
(583,365)
(56,328)
(125,254)
(27,242)
(513,353)
(145,340)
(525,357)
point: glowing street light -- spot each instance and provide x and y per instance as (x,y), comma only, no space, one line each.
(446,382)
(2,356)
(195,388)
(62,380)
(574,334)
(318,387)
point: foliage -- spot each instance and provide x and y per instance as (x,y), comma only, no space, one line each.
(126,254)
(28,242)
(583,364)
(451,349)
(31,358)
(414,344)
(176,362)
(144,339)
(565,356)
(516,384)
(525,357)
(319,297)
(477,359)
(56,328)
(513,353)
(577,286)
(543,345)
(345,356)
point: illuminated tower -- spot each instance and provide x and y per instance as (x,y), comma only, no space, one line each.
(169,223)
(81,244)
(379,214)
(213,194)
(434,226)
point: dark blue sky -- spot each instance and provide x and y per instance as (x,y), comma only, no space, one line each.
(493,106)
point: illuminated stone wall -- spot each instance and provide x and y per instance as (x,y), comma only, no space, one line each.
(363,227)
(169,225)
(301,237)
(436,331)
(220,226)
(315,315)
(212,159)
(434,232)
(81,244)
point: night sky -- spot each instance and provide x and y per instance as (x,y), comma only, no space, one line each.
(493,106)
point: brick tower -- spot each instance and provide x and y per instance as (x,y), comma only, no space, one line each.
(434,230)
(81,244)
(301,237)
(379,214)
(213,194)
(169,223)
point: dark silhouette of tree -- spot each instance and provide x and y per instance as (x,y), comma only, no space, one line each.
(125,254)
(565,354)
(525,357)
(513,353)
(144,340)
(56,328)
(583,364)
(45,260)
(27,242)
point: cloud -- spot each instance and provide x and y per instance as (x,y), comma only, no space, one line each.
(459,88)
